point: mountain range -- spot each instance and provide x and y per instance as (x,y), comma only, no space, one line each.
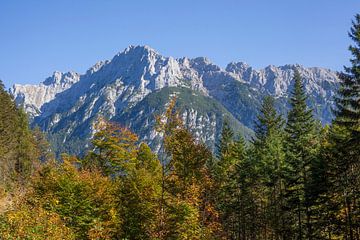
(136,85)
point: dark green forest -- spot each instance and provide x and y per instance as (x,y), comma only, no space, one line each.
(296,179)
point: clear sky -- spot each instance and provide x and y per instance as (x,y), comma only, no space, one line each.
(40,36)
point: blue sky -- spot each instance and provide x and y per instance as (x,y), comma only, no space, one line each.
(39,37)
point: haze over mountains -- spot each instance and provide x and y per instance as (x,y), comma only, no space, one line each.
(137,84)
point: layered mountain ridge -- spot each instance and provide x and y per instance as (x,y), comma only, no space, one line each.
(138,82)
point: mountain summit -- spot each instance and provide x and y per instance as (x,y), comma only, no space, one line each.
(137,84)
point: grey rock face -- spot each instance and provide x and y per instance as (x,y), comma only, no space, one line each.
(33,97)
(66,104)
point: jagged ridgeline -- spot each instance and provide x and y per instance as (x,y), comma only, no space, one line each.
(138,83)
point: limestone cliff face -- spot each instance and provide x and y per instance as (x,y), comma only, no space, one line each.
(32,97)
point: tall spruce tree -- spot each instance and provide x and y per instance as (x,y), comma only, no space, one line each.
(270,155)
(226,140)
(247,199)
(268,120)
(348,100)
(345,137)
(224,178)
(301,148)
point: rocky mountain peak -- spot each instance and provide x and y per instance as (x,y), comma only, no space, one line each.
(136,53)
(237,67)
(203,64)
(67,102)
(59,78)
(96,67)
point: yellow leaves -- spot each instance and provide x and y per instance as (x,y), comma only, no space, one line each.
(64,202)
(115,149)
(101,231)
(170,121)
(119,191)
(34,223)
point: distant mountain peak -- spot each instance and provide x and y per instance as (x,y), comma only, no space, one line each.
(59,78)
(138,50)
(66,103)
(237,67)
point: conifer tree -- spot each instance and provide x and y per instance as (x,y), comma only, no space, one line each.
(225,181)
(345,135)
(301,147)
(239,207)
(8,141)
(226,140)
(26,152)
(348,100)
(246,207)
(270,155)
(268,120)
(17,148)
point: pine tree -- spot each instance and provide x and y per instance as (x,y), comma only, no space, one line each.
(268,121)
(26,152)
(270,155)
(320,190)
(225,181)
(348,100)
(246,197)
(17,148)
(226,139)
(345,135)
(8,141)
(240,207)
(301,147)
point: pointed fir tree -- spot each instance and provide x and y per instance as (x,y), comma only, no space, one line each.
(246,207)
(223,175)
(268,120)
(226,139)
(237,194)
(348,100)
(270,155)
(345,139)
(301,147)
